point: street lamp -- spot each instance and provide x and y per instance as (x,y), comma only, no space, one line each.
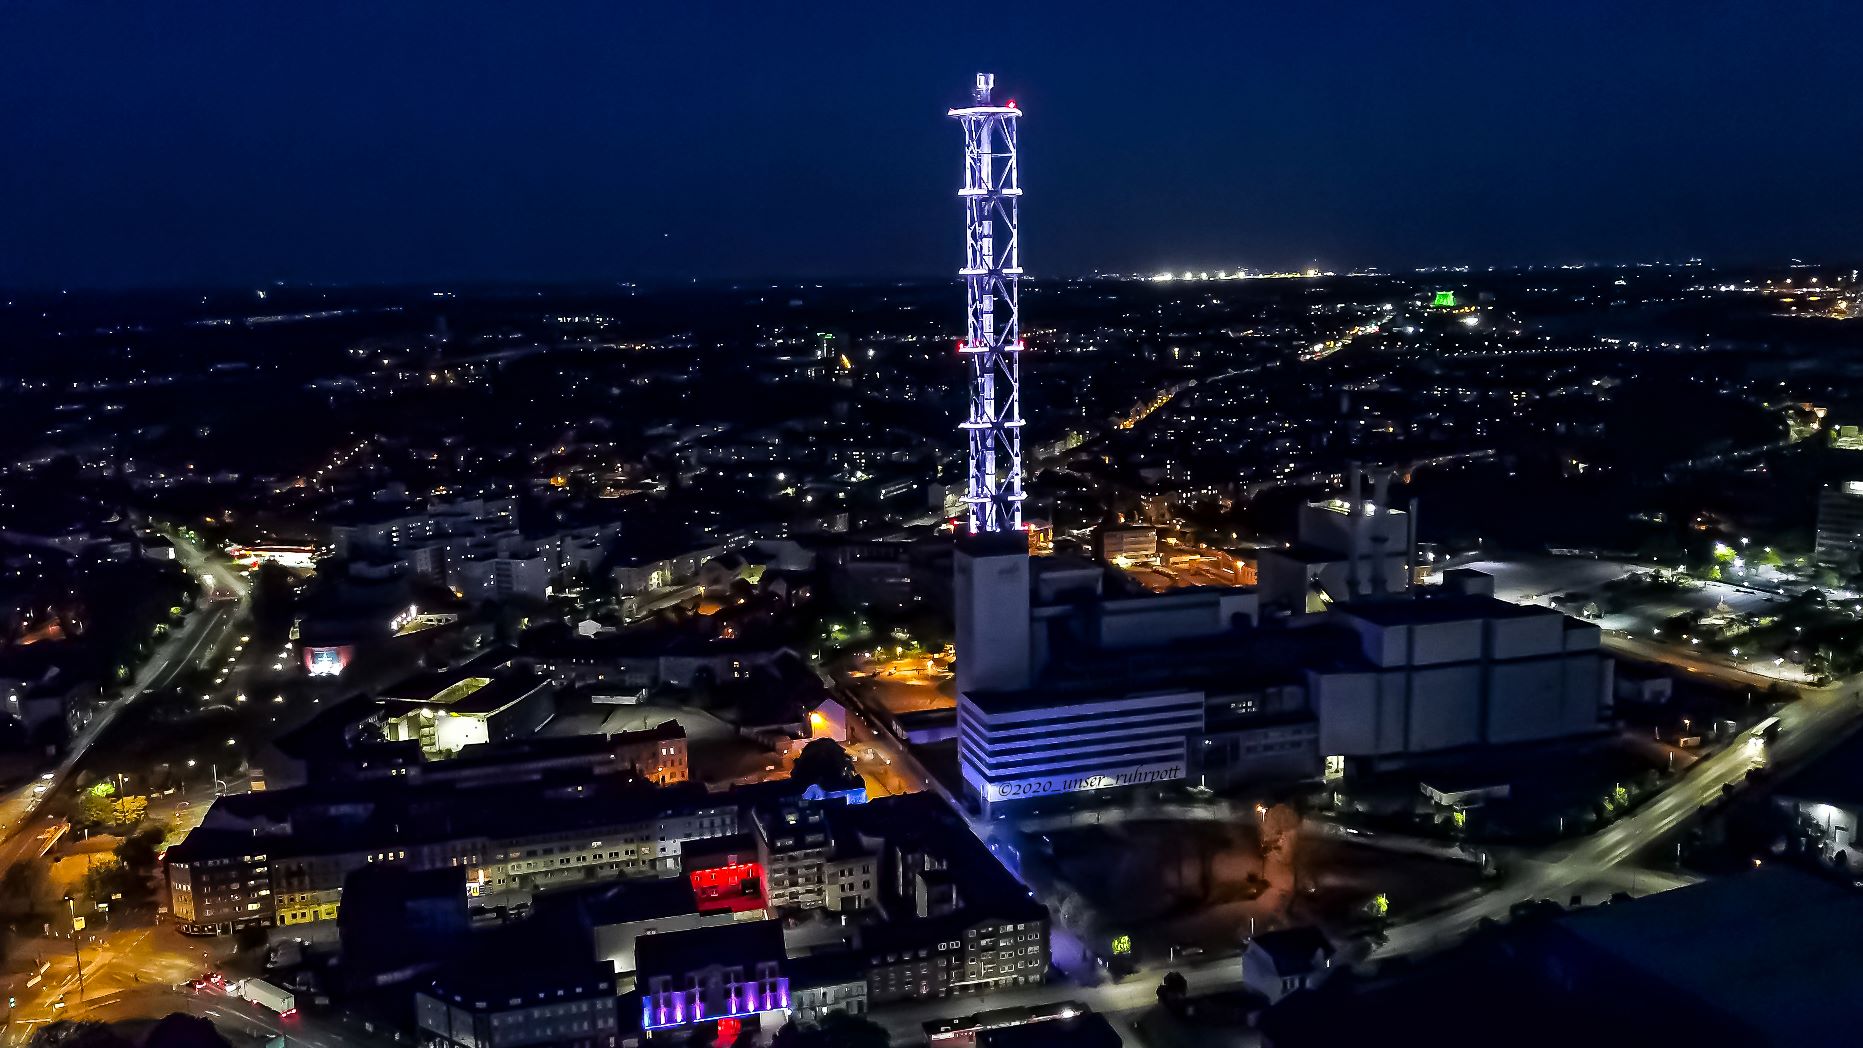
(76,953)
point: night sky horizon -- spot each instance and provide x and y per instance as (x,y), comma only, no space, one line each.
(156,145)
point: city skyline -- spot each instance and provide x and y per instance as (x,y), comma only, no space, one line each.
(530,528)
(590,143)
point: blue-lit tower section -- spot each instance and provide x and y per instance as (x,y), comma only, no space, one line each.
(992,346)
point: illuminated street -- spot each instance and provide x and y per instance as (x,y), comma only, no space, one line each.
(209,625)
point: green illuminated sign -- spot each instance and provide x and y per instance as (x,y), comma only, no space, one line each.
(1444,300)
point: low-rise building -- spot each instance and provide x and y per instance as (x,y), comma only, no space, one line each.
(622,914)
(281,857)
(572,1005)
(1277,963)
(731,972)
(447,713)
(827,982)
(1123,546)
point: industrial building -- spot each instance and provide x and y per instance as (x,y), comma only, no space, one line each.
(1345,548)
(1063,688)
(1459,669)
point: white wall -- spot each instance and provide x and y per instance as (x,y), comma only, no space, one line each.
(453,733)
(992,598)
(1445,707)
(1515,638)
(1439,642)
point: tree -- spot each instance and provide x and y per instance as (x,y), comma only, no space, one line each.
(136,855)
(841,1030)
(68,1034)
(103,881)
(179,1030)
(139,849)
(823,763)
(26,889)
(97,805)
(836,1030)
(272,594)
(1173,989)
(1276,823)
(128,811)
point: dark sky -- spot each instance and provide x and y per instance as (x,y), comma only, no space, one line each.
(166,143)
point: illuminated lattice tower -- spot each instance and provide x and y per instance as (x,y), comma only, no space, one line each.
(992,347)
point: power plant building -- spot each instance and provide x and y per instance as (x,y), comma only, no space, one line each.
(1064,688)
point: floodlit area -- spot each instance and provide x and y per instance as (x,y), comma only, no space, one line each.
(905,680)
(1669,616)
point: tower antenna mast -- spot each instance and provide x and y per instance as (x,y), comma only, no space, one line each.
(992,344)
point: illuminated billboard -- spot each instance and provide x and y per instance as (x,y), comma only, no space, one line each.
(327,660)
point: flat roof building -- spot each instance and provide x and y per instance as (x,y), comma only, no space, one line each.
(1064,688)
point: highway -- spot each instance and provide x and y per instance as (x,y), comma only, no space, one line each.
(1815,720)
(1712,666)
(214,617)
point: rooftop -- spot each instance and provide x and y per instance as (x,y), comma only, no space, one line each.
(1080,1030)
(358,816)
(1293,949)
(1774,949)
(478,696)
(1835,778)
(625,902)
(1427,609)
(739,943)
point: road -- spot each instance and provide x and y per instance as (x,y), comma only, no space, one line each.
(1714,667)
(142,973)
(1818,718)
(213,618)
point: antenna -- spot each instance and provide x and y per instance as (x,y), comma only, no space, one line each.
(992,345)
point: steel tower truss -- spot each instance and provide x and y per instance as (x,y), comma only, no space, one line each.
(993,346)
